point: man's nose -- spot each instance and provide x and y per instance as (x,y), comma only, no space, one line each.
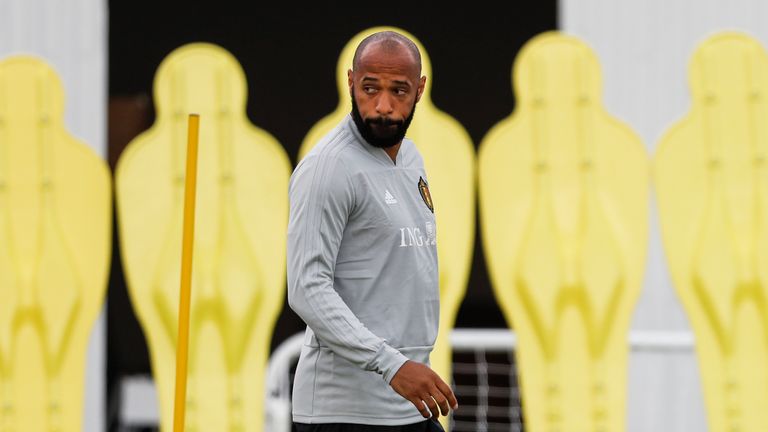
(384,104)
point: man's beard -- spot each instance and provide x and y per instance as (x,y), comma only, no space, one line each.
(381,141)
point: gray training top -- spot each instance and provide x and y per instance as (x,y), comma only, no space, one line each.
(362,273)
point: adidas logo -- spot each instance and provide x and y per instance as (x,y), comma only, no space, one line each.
(388,198)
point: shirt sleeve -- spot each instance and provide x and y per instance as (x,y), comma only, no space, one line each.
(321,199)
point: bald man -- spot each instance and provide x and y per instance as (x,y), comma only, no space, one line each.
(362,260)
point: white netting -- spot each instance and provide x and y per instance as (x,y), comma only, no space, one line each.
(486,384)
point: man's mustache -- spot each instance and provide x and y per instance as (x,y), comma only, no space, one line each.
(384,121)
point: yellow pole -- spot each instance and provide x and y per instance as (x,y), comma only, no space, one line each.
(179,404)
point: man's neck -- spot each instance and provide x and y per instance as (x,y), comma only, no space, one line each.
(392,152)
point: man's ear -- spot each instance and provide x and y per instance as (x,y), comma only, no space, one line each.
(420,88)
(350,81)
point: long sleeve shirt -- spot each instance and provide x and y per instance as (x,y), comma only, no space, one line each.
(362,274)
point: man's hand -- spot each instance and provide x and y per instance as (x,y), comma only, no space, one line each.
(421,385)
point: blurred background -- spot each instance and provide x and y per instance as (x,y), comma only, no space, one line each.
(106,54)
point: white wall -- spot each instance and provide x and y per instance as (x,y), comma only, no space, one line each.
(71,35)
(644,47)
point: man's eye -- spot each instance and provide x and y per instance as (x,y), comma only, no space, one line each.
(369,90)
(400,92)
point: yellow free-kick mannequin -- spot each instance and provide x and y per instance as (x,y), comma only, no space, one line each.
(563,205)
(711,177)
(239,247)
(55,238)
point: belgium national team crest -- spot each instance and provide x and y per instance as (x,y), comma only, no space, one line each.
(424,191)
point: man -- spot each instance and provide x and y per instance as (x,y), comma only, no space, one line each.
(362,260)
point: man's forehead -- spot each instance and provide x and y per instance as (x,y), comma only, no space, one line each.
(387,72)
(388,58)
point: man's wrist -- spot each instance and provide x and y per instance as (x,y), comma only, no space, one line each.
(388,361)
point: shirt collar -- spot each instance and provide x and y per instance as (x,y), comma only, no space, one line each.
(377,152)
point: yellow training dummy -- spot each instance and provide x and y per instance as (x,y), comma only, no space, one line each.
(239,245)
(564,208)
